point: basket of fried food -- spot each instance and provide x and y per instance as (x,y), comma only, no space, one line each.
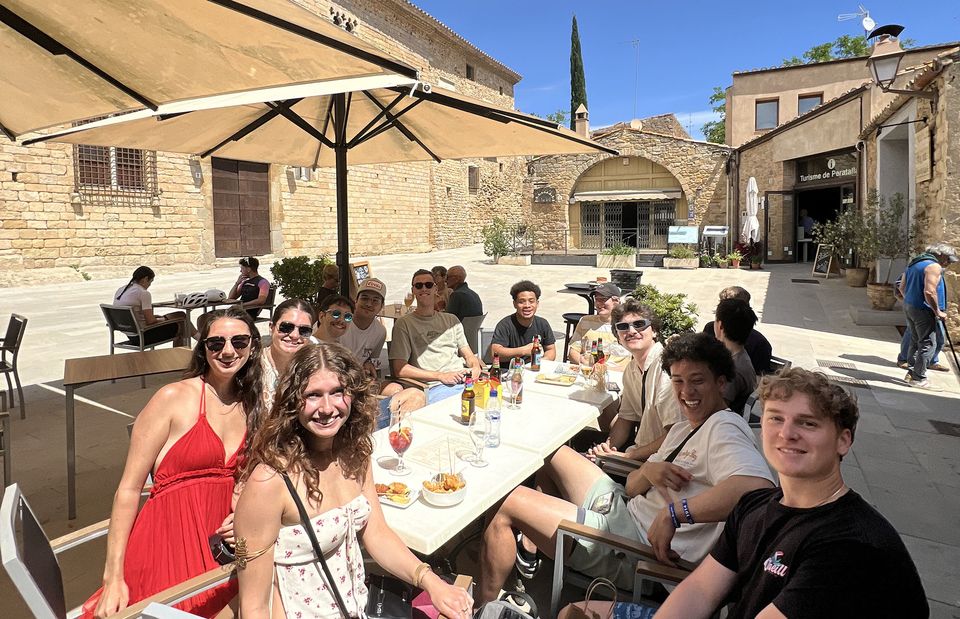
(444,489)
(396,493)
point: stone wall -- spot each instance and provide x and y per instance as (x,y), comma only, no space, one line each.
(45,225)
(698,166)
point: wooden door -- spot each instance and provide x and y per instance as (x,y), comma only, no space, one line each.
(241,208)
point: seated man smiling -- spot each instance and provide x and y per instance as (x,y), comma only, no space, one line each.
(676,502)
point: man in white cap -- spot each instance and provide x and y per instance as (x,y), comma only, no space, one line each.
(366,336)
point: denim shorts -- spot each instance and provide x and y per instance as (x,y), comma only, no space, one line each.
(627,610)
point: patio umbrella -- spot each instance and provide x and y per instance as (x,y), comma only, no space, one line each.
(751,225)
(67,60)
(384,125)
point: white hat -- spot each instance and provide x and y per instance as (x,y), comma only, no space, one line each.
(373,285)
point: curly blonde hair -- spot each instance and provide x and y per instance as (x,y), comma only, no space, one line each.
(279,441)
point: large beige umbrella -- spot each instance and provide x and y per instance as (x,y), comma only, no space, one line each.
(66,60)
(385,125)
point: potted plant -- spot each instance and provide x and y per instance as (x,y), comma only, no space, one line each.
(721,261)
(756,255)
(617,256)
(676,314)
(298,277)
(885,235)
(735,257)
(843,235)
(681,257)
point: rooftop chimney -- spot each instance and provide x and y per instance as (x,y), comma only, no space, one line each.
(582,121)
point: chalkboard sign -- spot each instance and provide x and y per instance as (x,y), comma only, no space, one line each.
(823,263)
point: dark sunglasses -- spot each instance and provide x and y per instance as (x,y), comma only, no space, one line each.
(336,314)
(287,328)
(639,325)
(422,285)
(217,342)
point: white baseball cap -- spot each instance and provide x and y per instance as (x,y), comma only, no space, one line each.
(373,285)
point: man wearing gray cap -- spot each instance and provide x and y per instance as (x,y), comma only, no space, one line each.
(606,296)
(924,303)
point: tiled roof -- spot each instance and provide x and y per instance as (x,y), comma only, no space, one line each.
(453,34)
(625,126)
(838,60)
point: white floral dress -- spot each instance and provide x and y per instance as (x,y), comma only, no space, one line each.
(300,579)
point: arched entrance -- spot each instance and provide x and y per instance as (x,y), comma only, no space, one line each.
(628,201)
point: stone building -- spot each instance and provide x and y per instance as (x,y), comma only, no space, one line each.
(104,210)
(582,204)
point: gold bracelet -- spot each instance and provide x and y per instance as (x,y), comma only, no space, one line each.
(420,572)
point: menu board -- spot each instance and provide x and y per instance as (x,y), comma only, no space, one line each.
(823,263)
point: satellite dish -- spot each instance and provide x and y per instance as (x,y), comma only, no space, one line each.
(868,24)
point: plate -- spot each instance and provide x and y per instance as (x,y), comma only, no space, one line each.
(567,369)
(561,380)
(413,494)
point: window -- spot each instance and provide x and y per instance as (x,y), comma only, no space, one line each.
(471,72)
(473,179)
(301,173)
(768,113)
(114,168)
(805,103)
(444,83)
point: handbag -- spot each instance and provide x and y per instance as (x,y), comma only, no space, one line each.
(574,611)
(389,598)
(503,609)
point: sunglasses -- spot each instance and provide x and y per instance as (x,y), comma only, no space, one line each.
(217,342)
(336,314)
(422,285)
(639,325)
(287,328)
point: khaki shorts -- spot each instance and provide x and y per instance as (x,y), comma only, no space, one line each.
(596,559)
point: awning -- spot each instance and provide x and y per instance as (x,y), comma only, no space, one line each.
(620,195)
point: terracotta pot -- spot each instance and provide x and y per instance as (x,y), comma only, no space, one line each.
(857,277)
(735,264)
(754,266)
(881,296)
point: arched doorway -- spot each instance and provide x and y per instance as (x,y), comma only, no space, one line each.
(628,201)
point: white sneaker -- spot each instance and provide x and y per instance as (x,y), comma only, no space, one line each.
(924,384)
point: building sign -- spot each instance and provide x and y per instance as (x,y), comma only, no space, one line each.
(683,234)
(921,154)
(842,167)
(545,195)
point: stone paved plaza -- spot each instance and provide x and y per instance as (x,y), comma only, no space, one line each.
(899,463)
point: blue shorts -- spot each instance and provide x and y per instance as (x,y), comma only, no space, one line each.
(441,392)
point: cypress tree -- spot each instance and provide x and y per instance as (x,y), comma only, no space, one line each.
(578,84)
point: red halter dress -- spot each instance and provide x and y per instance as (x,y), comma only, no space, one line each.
(191,495)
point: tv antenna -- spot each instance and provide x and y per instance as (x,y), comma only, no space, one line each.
(865,20)
(636,76)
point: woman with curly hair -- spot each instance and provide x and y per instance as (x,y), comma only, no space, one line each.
(190,436)
(316,441)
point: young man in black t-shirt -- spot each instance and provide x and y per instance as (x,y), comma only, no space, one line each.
(813,547)
(513,336)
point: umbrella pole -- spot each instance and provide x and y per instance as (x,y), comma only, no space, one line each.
(343,228)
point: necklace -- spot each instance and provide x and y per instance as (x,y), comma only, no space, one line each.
(832,496)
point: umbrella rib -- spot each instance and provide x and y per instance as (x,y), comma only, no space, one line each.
(394,120)
(298,120)
(387,124)
(375,119)
(54,47)
(326,123)
(343,46)
(7,133)
(252,126)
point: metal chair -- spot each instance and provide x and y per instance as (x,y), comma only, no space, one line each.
(30,559)
(268,305)
(10,343)
(571,320)
(121,318)
(471,330)
(5,440)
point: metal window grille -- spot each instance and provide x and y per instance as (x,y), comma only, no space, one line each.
(473,179)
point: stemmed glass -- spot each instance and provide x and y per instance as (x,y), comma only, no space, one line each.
(401,435)
(586,367)
(408,301)
(479,428)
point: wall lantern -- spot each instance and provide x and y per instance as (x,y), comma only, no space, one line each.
(884,61)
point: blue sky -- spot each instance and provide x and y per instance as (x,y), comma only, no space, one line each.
(685,48)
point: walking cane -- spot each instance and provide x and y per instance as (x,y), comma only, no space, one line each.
(952,347)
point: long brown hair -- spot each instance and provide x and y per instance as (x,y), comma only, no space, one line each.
(279,441)
(248,379)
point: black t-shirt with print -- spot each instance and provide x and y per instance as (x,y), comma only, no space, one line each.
(511,334)
(839,560)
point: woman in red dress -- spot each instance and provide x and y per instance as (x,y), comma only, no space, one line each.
(190,436)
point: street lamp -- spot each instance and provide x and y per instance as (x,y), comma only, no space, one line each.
(884,61)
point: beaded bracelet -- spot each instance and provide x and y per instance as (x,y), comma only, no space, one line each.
(686,512)
(673,516)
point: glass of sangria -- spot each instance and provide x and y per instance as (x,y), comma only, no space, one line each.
(400,435)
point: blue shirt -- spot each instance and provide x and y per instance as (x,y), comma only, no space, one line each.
(913,289)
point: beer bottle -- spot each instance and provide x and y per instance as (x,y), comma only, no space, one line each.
(468,402)
(593,351)
(535,354)
(495,368)
(600,356)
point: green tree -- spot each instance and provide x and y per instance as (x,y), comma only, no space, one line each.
(715,130)
(578,84)
(559,117)
(845,46)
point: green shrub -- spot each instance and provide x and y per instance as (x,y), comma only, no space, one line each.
(676,314)
(298,277)
(496,238)
(682,252)
(734,255)
(720,260)
(619,249)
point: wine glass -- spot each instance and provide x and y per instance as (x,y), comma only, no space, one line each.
(479,428)
(408,301)
(400,435)
(586,367)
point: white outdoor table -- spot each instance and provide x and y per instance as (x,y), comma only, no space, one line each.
(425,528)
(578,391)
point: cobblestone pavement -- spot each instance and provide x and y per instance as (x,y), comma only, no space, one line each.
(900,462)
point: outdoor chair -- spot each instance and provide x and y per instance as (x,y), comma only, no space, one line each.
(30,559)
(11,344)
(5,440)
(120,318)
(407,382)
(267,305)
(471,330)
(570,321)
(629,550)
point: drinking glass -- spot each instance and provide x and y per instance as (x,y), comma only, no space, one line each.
(586,367)
(397,309)
(408,301)
(401,435)
(516,387)
(479,428)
